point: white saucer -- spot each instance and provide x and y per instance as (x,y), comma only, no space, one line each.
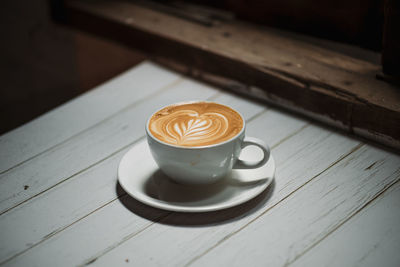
(141,178)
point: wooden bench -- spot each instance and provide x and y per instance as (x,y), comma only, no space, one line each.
(323,80)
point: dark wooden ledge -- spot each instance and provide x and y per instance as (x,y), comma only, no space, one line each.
(329,86)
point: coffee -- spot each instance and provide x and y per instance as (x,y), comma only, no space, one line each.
(195,124)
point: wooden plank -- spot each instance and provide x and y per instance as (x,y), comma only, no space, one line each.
(318,82)
(175,244)
(370,238)
(25,226)
(128,224)
(92,189)
(81,113)
(90,147)
(305,218)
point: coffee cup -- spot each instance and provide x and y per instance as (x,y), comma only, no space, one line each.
(199,142)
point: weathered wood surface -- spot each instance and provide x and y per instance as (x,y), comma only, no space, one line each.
(369,238)
(282,235)
(326,187)
(310,79)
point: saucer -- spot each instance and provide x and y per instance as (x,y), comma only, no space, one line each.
(140,177)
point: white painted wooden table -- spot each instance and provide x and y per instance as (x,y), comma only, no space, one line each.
(335,200)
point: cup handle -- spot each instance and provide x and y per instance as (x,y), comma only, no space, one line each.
(244,164)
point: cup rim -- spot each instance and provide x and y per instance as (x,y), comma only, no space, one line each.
(194,147)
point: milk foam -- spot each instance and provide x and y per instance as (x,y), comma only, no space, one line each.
(195,124)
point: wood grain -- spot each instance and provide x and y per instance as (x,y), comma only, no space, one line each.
(369,238)
(91,146)
(292,73)
(308,216)
(81,113)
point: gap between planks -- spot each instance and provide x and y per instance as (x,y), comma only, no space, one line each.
(284,248)
(276,204)
(75,174)
(179,79)
(128,237)
(372,200)
(375,247)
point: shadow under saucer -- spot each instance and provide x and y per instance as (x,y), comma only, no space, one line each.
(161,187)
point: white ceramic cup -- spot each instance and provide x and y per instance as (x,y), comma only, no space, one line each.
(204,164)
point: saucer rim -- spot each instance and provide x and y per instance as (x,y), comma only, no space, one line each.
(178,207)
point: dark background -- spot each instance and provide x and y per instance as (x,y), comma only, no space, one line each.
(44,64)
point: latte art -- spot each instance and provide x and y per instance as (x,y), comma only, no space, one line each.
(188,127)
(195,124)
